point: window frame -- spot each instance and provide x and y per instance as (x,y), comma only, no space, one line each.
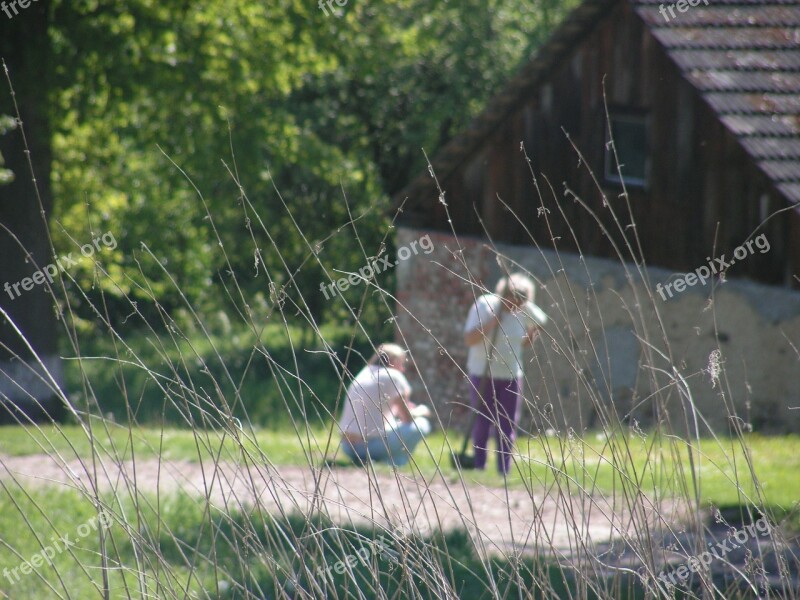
(610,174)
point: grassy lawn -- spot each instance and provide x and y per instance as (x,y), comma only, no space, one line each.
(281,447)
(656,464)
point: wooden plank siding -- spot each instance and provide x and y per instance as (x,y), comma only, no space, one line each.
(703,187)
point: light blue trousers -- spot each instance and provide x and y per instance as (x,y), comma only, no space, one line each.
(395,448)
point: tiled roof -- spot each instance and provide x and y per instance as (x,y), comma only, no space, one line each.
(743,56)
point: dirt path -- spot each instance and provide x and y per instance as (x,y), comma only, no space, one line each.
(497,518)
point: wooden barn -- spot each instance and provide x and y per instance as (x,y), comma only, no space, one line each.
(705,111)
(703,100)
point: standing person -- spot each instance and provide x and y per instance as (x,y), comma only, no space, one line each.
(498,326)
(379,422)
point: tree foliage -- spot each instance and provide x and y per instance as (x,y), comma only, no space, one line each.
(317,119)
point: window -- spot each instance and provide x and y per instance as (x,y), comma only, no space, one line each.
(630,140)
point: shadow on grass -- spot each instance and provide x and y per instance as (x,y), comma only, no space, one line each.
(257,556)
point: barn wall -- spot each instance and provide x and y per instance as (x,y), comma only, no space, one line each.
(705,194)
(593,303)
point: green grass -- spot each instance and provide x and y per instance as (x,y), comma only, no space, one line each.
(186,549)
(656,465)
(593,464)
(70,441)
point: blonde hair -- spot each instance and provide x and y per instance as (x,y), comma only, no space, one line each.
(387,353)
(518,285)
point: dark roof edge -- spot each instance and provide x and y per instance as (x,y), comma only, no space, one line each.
(574,27)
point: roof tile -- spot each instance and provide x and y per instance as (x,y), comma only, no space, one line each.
(785,126)
(715,15)
(740,125)
(728,37)
(754,103)
(785,60)
(791,191)
(745,81)
(743,56)
(782,170)
(771,147)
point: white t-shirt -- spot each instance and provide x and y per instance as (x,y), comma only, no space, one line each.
(506,356)
(367,409)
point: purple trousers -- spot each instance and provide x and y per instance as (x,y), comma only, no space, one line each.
(499,408)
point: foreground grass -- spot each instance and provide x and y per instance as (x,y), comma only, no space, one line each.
(755,470)
(190,550)
(180,546)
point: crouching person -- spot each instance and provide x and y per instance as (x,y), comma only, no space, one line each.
(378,421)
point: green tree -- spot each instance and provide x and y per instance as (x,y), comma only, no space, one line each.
(318,106)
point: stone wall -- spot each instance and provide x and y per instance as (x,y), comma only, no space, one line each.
(612,341)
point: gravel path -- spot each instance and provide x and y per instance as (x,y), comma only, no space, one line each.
(497,517)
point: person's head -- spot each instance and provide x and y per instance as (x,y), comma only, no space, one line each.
(390,355)
(516,289)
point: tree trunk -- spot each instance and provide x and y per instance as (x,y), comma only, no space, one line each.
(24,45)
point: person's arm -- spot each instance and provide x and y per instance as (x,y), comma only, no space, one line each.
(477,334)
(406,411)
(531,335)
(400,409)
(536,318)
(400,396)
